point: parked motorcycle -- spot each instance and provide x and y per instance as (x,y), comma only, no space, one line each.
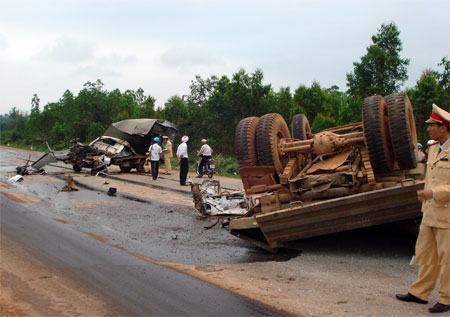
(208,168)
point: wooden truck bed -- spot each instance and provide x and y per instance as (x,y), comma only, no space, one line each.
(270,230)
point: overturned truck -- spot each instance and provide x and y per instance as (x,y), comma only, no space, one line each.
(301,185)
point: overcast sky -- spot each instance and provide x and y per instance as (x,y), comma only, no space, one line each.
(48,46)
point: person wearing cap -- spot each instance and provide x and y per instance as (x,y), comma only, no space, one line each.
(182,156)
(205,153)
(155,152)
(168,154)
(433,242)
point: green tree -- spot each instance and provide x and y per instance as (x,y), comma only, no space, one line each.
(444,81)
(426,92)
(35,103)
(382,70)
(322,122)
(309,100)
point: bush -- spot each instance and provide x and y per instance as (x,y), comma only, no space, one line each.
(226,165)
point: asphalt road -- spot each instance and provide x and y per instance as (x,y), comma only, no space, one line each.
(140,287)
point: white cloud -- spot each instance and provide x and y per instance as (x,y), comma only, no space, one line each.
(93,72)
(188,57)
(116,59)
(69,50)
(47,47)
(3,43)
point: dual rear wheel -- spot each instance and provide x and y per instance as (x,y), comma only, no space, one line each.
(390,132)
(257,139)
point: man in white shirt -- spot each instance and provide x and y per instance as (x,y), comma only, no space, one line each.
(155,152)
(205,153)
(182,156)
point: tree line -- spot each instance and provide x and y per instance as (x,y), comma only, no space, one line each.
(215,104)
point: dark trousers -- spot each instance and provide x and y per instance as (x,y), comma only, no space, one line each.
(155,169)
(205,159)
(184,169)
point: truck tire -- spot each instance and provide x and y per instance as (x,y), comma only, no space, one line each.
(244,142)
(402,127)
(376,134)
(76,168)
(124,168)
(270,130)
(300,127)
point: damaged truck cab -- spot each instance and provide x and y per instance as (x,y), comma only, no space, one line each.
(124,143)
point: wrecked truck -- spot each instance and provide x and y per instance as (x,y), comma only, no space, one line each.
(124,144)
(301,185)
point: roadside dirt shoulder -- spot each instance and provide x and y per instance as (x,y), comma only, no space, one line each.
(31,288)
(302,287)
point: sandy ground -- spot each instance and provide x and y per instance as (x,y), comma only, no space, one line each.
(355,274)
(29,287)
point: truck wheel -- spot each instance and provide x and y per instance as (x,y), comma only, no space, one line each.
(270,130)
(376,134)
(125,169)
(300,127)
(244,142)
(403,130)
(76,168)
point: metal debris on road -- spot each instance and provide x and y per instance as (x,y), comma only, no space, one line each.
(15,179)
(210,200)
(112,191)
(28,169)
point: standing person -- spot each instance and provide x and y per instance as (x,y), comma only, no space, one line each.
(168,154)
(205,154)
(433,242)
(182,156)
(155,152)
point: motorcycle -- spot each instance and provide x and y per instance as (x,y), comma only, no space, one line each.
(208,168)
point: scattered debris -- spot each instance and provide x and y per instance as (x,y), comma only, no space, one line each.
(28,169)
(209,199)
(112,191)
(15,179)
(70,186)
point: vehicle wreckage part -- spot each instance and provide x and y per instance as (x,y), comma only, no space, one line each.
(300,222)
(209,199)
(270,130)
(377,134)
(368,166)
(245,142)
(76,168)
(300,127)
(125,168)
(257,175)
(402,129)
